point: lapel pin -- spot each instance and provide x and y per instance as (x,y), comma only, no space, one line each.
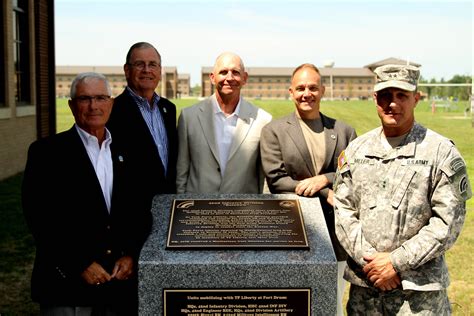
(164,110)
(333,136)
(120,158)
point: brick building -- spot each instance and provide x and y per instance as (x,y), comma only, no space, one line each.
(184,85)
(116,76)
(273,82)
(27,89)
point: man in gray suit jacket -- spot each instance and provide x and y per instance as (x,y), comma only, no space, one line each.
(300,151)
(219,137)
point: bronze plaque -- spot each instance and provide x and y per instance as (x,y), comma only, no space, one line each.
(236,224)
(234,302)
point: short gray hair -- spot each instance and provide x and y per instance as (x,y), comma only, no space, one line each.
(86,76)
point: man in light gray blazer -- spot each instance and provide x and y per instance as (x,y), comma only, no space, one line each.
(219,137)
(300,152)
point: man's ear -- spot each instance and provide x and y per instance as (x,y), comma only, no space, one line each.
(246,77)
(126,70)
(72,106)
(212,77)
(417,97)
(374,97)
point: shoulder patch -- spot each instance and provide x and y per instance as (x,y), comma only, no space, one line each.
(342,163)
(465,188)
(463,185)
(456,164)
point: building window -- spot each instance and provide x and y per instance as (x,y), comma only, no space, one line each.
(2,63)
(21,52)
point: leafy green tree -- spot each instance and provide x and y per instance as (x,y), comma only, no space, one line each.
(462,93)
(196,90)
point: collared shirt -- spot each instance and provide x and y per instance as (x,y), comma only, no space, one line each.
(224,129)
(154,120)
(101,159)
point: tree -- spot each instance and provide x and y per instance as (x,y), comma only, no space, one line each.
(462,93)
(196,91)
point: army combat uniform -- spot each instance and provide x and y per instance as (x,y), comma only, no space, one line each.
(408,201)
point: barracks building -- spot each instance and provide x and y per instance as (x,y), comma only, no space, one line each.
(273,83)
(171,85)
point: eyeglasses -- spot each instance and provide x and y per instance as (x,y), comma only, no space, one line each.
(87,99)
(140,65)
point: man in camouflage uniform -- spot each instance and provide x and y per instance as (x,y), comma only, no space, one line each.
(400,195)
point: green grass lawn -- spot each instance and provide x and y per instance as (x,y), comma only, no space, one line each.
(16,247)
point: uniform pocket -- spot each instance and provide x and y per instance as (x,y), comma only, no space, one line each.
(369,198)
(402,187)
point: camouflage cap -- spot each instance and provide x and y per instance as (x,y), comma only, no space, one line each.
(404,77)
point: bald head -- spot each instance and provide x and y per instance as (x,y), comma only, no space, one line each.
(228,58)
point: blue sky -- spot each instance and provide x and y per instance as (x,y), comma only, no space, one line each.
(190,34)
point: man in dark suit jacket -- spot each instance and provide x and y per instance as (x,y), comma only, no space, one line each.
(300,151)
(79,202)
(144,123)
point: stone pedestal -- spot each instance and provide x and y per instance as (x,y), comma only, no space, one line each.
(315,268)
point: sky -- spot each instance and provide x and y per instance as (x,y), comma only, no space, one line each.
(191,34)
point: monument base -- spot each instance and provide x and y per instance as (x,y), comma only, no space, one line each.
(246,282)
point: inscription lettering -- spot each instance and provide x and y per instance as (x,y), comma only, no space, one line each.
(237,223)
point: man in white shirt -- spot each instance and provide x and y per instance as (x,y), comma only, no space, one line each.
(78,198)
(219,137)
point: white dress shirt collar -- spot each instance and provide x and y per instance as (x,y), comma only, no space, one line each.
(101,159)
(217,108)
(225,127)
